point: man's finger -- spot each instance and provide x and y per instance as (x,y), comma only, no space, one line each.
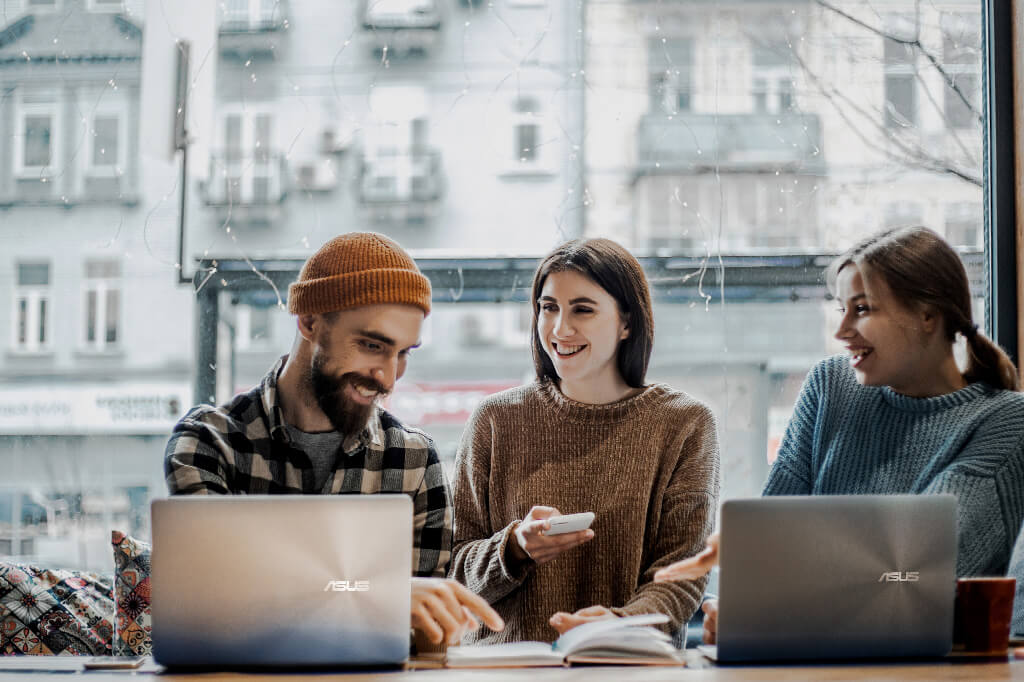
(479,606)
(422,621)
(447,620)
(446,593)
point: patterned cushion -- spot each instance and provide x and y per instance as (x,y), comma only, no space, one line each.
(54,611)
(134,619)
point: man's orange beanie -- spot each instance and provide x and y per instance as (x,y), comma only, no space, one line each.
(356,269)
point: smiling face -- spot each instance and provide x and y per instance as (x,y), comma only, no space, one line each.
(357,356)
(887,341)
(579,326)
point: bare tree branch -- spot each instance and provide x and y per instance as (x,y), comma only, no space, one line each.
(909,154)
(914,43)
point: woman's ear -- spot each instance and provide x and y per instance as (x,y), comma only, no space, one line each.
(624,330)
(930,319)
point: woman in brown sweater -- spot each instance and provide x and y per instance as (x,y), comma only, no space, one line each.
(588,435)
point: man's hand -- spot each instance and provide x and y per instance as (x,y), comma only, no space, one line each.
(444,610)
(710,609)
(694,567)
(532,543)
(563,622)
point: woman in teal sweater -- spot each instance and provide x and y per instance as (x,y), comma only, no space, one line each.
(896,414)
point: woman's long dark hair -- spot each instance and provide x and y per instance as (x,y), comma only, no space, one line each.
(921,268)
(615,270)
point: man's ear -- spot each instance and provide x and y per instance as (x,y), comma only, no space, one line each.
(307,325)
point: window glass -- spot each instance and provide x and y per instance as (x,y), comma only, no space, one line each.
(733,147)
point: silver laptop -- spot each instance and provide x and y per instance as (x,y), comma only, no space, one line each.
(281,580)
(836,577)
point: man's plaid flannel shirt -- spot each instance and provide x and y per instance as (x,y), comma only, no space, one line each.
(243,447)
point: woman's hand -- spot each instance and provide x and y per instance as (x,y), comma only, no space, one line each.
(530,541)
(563,622)
(710,609)
(694,567)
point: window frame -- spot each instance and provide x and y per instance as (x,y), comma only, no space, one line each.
(23,111)
(36,297)
(101,286)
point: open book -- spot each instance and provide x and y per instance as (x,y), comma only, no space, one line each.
(620,641)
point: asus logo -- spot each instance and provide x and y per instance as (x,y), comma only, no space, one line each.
(898,577)
(347,586)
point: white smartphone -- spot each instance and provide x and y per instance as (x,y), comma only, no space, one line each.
(114,662)
(570,523)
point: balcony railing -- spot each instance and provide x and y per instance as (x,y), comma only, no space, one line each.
(252,185)
(246,31)
(402,25)
(401,177)
(694,143)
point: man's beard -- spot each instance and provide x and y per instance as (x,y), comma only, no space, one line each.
(347,417)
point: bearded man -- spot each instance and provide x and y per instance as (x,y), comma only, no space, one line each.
(314,426)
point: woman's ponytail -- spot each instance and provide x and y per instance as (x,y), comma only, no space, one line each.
(987,362)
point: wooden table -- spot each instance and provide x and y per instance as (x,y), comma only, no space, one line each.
(699,669)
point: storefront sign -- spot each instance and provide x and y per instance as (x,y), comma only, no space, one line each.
(93,409)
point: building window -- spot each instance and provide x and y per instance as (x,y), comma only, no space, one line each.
(251,13)
(250,172)
(772,70)
(115,6)
(32,307)
(105,137)
(38,134)
(102,304)
(962,63)
(964,224)
(900,63)
(670,69)
(39,6)
(903,214)
(527,147)
(253,327)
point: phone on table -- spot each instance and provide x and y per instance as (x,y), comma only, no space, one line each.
(570,523)
(114,662)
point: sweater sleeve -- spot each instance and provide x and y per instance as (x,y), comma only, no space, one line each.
(791,474)
(687,517)
(478,556)
(990,499)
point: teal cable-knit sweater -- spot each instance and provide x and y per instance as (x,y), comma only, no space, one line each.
(845,438)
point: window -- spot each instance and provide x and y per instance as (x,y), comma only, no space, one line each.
(32,307)
(102,292)
(36,149)
(528,151)
(248,168)
(733,147)
(964,224)
(39,6)
(670,66)
(772,72)
(116,6)
(900,59)
(254,329)
(105,149)
(251,13)
(961,60)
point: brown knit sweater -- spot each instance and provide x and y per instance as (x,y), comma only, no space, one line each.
(646,466)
